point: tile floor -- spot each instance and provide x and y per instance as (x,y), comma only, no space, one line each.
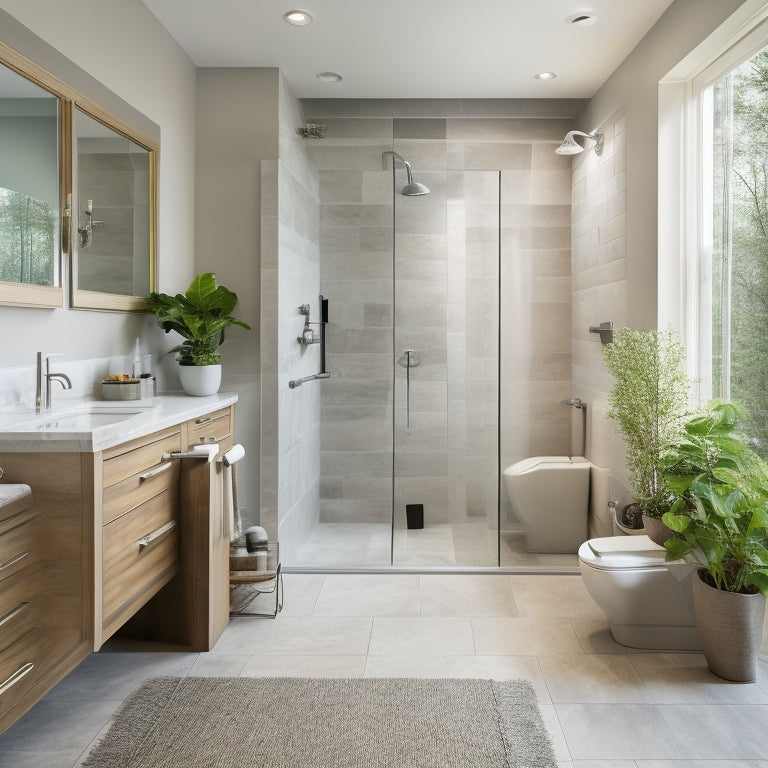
(606,706)
(436,545)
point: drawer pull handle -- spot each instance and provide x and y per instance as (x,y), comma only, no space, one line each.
(11,615)
(13,561)
(203,420)
(153,538)
(16,676)
(154,472)
(20,518)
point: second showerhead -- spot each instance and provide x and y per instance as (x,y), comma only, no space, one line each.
(412,188)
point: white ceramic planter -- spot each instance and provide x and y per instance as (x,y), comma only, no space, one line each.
(200,380)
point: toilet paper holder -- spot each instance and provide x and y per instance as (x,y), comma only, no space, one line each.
(605,331)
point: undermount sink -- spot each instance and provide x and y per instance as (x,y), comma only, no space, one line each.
(87,418)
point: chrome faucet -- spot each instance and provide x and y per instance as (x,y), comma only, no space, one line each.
(43,399)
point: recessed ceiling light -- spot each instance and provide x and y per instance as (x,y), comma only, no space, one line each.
(329,77)
(581,19)
(545,76)
(298,18)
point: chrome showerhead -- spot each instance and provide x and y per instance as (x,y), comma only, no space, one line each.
(412,188)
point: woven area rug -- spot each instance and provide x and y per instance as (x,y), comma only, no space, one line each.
(326,723)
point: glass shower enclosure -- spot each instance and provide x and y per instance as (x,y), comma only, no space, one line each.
(409,262)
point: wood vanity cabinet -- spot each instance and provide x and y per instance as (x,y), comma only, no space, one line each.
(117,540)
(162,526)
(140,550)
(45,592)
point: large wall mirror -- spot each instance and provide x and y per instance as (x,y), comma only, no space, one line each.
(78,177)
(31,186)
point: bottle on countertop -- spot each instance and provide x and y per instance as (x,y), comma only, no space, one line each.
(137,361)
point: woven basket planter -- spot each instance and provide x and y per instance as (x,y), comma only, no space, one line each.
(731,628)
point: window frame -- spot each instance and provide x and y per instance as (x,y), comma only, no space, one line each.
(685,212)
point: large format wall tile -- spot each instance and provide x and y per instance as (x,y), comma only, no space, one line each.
(451,248)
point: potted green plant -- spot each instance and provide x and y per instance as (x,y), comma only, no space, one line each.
(720,518)
(200,316)
(649,401)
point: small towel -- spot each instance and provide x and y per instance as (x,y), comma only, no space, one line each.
(10,492)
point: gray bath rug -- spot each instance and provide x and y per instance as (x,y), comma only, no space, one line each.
(199,722)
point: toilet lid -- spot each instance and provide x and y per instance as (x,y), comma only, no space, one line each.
(622,553)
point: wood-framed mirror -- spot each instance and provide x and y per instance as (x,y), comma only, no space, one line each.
(34,178)
(98,148)
(113,212)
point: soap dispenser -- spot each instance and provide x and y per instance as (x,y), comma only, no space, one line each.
(137,361)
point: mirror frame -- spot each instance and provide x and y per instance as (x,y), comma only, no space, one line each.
(114,302)
(45,296)
(33,58)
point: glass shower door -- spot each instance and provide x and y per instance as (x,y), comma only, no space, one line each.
(446,363)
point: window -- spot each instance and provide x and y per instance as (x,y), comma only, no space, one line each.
(734,240)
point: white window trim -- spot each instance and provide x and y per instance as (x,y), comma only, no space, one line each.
(682,234)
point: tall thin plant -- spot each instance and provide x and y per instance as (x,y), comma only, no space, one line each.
(650,403)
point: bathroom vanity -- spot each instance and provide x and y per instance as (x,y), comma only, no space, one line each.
(120,536)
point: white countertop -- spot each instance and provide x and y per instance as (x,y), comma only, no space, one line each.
(77,428)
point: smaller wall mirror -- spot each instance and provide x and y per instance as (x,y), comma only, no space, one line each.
(113,213)
(30,192)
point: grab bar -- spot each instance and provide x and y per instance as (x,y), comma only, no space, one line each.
(298,382)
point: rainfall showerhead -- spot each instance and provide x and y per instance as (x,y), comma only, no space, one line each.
(412,188)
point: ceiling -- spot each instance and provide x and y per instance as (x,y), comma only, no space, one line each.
(417,48)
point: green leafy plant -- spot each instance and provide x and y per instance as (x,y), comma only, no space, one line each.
(720,508)
(649,401)
(200,316)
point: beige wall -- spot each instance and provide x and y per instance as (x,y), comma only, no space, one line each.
(237,131)
(615,211)
(158,79)
(634,87)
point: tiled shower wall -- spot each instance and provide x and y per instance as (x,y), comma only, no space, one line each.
(447,251)
(118,183)
(600,294)
(290,467)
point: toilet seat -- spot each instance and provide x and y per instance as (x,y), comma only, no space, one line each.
(623,553)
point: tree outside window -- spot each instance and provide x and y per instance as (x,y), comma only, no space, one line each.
(740,243)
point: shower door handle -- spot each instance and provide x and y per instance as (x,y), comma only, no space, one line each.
(409,359)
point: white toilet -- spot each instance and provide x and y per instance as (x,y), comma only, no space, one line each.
(647,601)
(550,497)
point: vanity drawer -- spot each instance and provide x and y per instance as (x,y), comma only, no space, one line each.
(12,510)
(138,489)
(15,618)
(140,555)
(17,544)
(138,456)
(213,427)
(21,664)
